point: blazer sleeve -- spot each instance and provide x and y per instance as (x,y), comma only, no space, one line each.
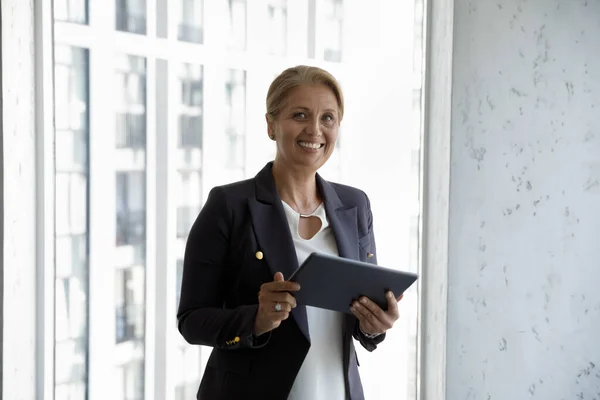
(368,343)
(202,318)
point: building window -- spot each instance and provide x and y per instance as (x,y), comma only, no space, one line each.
(131,210)
(131,16)
(71,229)
(189,148)
(236,22)
(332,30)
(190,115)
(189,202)
(235,118)
(130,381)
(191,22)
(130,255)
(131,111)
(189,193)
(277,15)
(75,11)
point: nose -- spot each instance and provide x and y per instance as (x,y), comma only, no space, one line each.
(313,127)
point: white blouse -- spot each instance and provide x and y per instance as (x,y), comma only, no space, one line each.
(321,376)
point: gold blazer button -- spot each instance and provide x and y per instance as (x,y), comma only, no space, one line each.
(259,255)
(369,255)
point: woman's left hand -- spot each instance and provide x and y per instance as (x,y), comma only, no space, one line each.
(373,320)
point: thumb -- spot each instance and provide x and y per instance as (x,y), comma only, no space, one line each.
(279,277)
(391,300)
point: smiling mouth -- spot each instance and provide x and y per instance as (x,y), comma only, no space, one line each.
(310,145)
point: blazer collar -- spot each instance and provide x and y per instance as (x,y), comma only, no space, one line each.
(266,191)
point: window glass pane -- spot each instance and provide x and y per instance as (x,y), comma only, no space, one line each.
(131,103)
(332,30)
(188,196)
(190,111)
(235,118)
(71,221)
(131,16)
(75,11)
(236,20)
(191,21)
(189,192)
(130,273)
(277,16)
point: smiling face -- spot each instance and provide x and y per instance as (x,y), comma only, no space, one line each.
(306,128)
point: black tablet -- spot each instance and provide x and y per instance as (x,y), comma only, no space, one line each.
(332,283)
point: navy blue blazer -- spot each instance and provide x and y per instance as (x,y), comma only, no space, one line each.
(222,277)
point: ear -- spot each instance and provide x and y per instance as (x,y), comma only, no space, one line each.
(270,128)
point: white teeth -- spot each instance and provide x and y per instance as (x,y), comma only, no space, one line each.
(308,145)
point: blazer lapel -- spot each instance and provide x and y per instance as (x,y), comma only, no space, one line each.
(345,227)
(343,220)
(273,235)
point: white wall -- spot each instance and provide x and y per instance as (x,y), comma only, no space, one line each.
(18,132)
(524,240)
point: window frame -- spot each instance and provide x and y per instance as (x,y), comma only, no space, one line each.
(435,198)
(94,37)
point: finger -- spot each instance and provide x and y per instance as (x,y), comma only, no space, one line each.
(275,316)
(369,317)
(375,310)
(279,297)
(270,307)
(392,305)
(278,277)
(280,286)
(400,297)
(365,324)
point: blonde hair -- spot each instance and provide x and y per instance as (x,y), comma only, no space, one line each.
(297,76)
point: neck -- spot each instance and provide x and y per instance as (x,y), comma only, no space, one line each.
(298,188)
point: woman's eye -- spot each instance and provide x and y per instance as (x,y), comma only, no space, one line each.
(300,115)
(328,118)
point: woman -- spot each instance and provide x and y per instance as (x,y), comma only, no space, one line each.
(250,235)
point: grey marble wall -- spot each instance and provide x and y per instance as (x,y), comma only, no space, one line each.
(524,239)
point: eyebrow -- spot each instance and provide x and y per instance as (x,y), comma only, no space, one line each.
(303,108)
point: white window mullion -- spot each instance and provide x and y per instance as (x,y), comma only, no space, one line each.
(168,141)
(102,217)
(44,84)
(151,214)
(151,15)
(162,239)
(173,10)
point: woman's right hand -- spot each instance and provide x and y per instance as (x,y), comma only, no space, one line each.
(274,296)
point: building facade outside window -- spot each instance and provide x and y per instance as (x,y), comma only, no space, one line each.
(75,11)
(71,230)
(236,22)
(146,126)
(191,21)
(130,246)
(131,16)
(235,118)
(334,19)
(277,12)
(189,195)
